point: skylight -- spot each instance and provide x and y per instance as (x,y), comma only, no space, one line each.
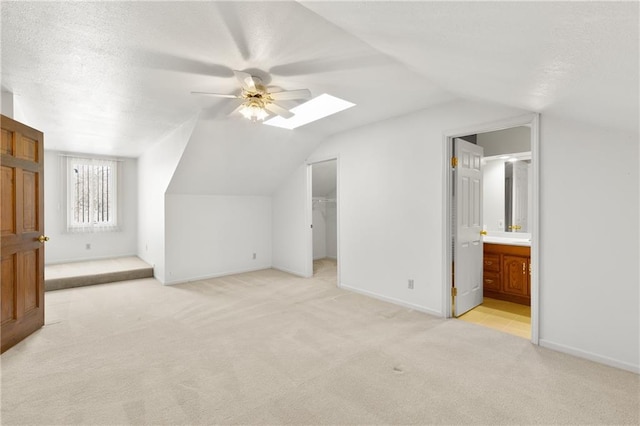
(312,110)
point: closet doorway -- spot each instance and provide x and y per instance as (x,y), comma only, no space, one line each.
(324,218)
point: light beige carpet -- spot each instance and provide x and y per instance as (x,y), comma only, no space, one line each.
(269,348)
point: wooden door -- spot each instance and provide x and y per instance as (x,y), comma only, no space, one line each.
(21,227)
(467,252)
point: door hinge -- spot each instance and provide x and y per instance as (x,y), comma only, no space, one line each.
(454,291)
(454,161)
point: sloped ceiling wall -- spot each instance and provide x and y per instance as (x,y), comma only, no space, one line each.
(291,47)
(236,157)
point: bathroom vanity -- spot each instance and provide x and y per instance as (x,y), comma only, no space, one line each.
(507,270)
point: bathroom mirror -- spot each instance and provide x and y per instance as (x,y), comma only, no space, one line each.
(507,192)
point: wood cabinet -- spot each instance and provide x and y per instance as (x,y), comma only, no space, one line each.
(507,273)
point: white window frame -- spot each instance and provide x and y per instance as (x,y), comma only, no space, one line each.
(93,226)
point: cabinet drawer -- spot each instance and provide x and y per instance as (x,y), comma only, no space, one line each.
(492,281)
(491,262)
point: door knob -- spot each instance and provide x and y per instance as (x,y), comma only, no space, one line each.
(43,238)
(483,232)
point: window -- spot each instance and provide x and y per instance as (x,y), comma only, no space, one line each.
(91,194)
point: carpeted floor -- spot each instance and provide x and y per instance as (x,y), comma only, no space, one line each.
(269,348)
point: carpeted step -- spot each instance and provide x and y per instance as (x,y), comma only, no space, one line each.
(78,274)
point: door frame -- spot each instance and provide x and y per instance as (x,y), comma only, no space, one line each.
(309,213)
(531,120)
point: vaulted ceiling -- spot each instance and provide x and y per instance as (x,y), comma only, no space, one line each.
(576,59)
(114,77)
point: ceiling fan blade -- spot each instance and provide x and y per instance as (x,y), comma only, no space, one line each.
(236,110)
(316,66)
(217,95)
(291,94)
(221,111)
(236,26)
(170,62)
(246,80)
(278,110)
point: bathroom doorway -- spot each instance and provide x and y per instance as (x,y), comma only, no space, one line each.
(506,268)
(324,218)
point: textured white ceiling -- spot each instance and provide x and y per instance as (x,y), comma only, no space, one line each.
(114,77)
(577,59)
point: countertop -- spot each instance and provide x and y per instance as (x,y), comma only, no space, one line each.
(507,240)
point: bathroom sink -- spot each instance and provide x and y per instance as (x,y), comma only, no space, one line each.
(507,240)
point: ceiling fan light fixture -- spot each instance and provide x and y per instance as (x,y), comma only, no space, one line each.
(254,112)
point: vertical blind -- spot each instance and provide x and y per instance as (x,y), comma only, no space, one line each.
(91,194)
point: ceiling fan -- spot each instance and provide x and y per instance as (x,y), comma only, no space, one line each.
(257,100)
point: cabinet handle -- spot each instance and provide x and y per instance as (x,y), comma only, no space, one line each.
(488,281)
(524,268)
(486,262)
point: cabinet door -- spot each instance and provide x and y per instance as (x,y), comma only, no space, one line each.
(515,275)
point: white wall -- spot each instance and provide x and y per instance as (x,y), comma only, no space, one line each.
(325,228)
(291,232)
(319,230)
(507,141)
(6,103)
(331,232)
(215,235)
(71,247)
(155,169)
(391,182)
(390,202)
(589,242)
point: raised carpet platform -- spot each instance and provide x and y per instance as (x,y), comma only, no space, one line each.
(78,274)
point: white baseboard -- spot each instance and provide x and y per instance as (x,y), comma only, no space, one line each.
(590,356)
(216,275)
(391,300)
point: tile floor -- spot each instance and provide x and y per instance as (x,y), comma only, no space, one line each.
(505,316)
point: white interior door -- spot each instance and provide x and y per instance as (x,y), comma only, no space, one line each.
(467,252)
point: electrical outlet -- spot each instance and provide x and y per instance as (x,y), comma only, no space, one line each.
(254,256)
(410,284)
(88,246)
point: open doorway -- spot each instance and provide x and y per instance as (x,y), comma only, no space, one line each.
(324,218)
(504,268)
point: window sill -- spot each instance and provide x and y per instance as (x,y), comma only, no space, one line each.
(92,229)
